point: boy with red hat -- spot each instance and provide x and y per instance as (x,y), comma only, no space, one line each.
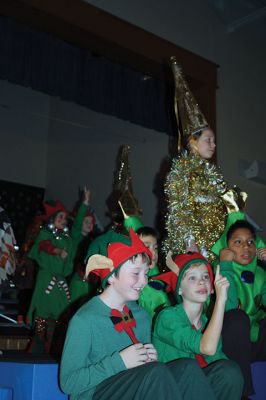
(185,331)
(108,352)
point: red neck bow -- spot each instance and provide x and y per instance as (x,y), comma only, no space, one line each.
(124,322)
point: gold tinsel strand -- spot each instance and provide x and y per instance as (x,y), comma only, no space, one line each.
(193,189)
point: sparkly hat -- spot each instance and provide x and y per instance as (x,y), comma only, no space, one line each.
(190,118)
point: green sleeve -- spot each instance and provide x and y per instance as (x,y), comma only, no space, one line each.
(172,329)
(78,374)
(78,221)
(226,270)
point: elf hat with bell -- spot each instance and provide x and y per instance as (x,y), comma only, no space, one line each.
(117,253)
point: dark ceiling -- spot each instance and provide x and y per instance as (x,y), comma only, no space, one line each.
(239,14)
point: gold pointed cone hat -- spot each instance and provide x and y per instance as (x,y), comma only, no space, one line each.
(190,118)
(123,188)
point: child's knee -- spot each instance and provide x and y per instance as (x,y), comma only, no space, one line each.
(232,373)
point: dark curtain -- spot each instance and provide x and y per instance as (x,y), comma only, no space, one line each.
(45,63)
(21,203)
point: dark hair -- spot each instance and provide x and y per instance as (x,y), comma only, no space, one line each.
(242,223)
(147,231)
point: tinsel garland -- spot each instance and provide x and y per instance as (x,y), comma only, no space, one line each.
(195,208)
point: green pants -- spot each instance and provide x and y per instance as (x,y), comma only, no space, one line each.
(225,379)
(181,379)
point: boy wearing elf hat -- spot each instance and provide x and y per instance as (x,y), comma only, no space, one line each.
(244,330)
(108,352)
(184,330)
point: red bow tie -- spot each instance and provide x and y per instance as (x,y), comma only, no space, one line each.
(124,322)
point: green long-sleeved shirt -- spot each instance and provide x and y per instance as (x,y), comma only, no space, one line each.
(174,337)
(92,345)
(249,296)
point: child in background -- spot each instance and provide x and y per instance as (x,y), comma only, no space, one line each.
(184,331)
(54,250)
(108,352)
(244,330)
(195,188)
(80,290)
(153,297)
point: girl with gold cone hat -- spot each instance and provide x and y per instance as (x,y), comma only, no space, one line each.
(194,188)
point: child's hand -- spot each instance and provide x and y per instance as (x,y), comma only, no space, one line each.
(134,355)
(151,352)
(221,285)
(262,254)
(86,196)
(226,255)
(60,252)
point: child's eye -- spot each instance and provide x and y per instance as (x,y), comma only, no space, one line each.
(251,242)
(206,277)
(237,242)
(191,278)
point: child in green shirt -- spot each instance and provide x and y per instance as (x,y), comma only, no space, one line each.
(244,329)
(108,352)
(184,330)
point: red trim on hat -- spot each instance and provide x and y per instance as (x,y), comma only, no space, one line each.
(120,252)
(51,210)
(170,278)
(187,259)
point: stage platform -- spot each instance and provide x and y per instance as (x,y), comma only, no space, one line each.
(26,377)
(29,378)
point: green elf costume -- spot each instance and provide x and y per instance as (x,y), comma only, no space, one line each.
(244,331)
(51,294)
(153,296)
(175,337)
(92,366)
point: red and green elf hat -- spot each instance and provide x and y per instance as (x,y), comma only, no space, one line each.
(52,208)
(183,262)
(117,253)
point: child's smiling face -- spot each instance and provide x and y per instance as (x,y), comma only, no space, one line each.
(242,244)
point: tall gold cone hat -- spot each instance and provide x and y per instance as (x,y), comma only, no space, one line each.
(123,190)
(190,118)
